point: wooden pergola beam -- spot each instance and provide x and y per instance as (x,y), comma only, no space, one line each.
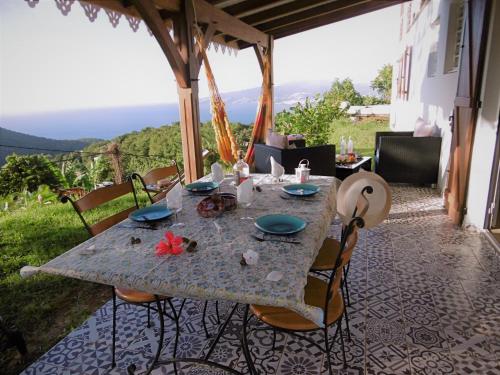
(327,9)
(229,25)
(287,9)
(244,9)
(325,19)
(152,18)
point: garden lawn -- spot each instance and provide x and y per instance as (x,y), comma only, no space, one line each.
(45,308)
(362,133)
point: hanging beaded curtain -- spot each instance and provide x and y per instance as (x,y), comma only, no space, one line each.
(226,143)
(259,132)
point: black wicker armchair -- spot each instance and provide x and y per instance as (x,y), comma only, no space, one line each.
(401,157)
(321,158)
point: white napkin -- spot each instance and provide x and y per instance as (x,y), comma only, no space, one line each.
(217,172)
(174,197)
(277,170)
(244,191)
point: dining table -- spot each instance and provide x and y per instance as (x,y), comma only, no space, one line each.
(214,271)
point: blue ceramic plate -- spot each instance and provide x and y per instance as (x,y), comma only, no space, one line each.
(151,213)
(301,190)
(280,224)
(202,187)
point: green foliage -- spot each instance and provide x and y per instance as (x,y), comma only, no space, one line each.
(312,119)
(383,83)
(343,91)
(372,100)
(27,172)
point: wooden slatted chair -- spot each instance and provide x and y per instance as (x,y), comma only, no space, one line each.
(93,200)
(170,175)
(318,293)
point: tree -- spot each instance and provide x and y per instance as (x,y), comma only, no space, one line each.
(343,91)
(313,119)
(382,83)
(27,172)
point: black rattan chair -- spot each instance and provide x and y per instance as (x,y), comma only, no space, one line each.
(401,157)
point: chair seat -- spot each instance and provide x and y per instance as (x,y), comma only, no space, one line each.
(134,296)
(315,295)
(327,256)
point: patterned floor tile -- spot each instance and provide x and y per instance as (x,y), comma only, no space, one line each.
(425,299)
(427,362)
(387,359)
(426,337)
(465,364)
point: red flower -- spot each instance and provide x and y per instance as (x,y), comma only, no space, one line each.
(171,245)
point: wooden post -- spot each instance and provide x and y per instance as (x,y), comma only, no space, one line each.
(189,108)
(270,87)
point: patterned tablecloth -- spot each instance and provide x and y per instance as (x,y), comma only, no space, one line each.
(213,271)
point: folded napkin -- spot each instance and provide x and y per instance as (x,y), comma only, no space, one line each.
(174,197)
(277,170)
(244,191)
(217,172)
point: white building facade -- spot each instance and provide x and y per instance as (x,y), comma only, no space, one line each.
(425,85)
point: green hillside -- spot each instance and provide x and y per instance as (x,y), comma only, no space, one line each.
(12,138)
(153,147)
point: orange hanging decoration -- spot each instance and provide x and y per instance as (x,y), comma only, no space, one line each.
(226,143)
(259,131)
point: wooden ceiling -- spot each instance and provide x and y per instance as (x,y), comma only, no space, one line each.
(281,18)
(252,19)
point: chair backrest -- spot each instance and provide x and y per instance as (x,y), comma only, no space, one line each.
(347,245)
(153,176)
(97,198)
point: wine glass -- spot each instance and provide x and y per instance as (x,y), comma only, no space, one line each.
(176,206)
(245,200)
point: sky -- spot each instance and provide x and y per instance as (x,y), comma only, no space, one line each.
(50,62)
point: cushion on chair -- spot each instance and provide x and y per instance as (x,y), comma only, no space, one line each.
(325,260)
(277,140)
(315,294)
(134,296)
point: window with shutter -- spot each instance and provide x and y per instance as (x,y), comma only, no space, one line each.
(454,40)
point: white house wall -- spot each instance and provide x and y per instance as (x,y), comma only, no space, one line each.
(486,128)
(429,97)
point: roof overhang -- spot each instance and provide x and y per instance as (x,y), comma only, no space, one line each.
(243,23)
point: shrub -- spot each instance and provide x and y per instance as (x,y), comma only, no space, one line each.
(27,173)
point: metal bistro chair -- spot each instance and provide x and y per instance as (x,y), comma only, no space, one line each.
(95,199)
(319,293)
(330,249)
(150,179)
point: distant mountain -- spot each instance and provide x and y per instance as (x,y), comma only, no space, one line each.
(12,138)
(108,123)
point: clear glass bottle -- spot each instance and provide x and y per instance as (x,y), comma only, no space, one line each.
(342,145)
(241,170)
(350,146)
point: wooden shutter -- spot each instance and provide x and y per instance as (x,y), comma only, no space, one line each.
(466,105)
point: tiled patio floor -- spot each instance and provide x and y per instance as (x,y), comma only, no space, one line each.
(425,300)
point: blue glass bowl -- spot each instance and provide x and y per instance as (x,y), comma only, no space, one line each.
(301,190)
(150,213)
(202,187)
(280,224)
